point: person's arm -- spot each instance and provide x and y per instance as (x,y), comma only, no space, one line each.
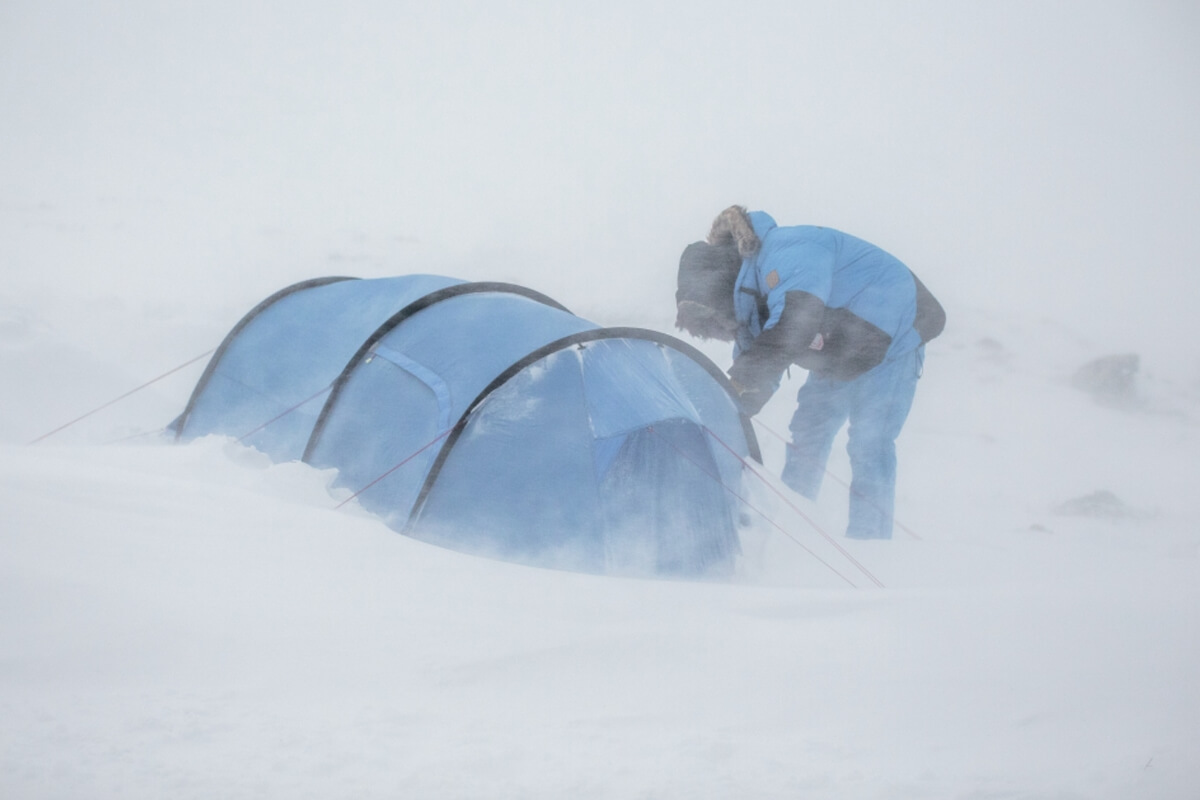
(758,369)
(798,280)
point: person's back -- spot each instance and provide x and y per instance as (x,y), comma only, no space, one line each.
(847,311)
(845,272)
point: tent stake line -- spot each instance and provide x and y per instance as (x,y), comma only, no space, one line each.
(801,513)
(122,397)
(407,459)
(283,414)
(842,483)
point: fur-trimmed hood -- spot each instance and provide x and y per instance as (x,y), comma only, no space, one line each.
(734,225)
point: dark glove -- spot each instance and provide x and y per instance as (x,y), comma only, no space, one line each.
(750,398)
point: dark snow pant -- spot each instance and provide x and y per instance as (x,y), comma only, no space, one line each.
(876,403)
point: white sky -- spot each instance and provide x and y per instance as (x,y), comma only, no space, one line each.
(1031,155)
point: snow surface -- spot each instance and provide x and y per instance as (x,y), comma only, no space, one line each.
(198,622)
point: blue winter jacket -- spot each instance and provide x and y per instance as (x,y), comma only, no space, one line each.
(822,299)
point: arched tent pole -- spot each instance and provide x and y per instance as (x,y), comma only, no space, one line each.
(181,421)
(580,338)
(394,321)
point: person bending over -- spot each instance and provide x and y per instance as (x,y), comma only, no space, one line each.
(847,311)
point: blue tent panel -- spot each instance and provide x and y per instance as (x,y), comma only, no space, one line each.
(629,384)
(519,482)
(562,465)
(383,434)
(727,429)
(396,405)
(268,382)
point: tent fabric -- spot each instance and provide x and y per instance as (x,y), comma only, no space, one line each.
(657,495)
(487,418)
(278,364)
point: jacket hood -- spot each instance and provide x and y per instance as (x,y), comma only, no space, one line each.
(741,227)
(707,272)
(704,293)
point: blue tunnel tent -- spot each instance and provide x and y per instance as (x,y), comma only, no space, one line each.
(267,382)
(487,418)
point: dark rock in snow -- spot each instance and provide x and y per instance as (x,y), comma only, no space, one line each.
(1111,379)
(1101,504)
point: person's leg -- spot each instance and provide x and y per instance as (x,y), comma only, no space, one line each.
(821,409)
(880,405)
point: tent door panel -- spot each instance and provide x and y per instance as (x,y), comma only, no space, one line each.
(666,509)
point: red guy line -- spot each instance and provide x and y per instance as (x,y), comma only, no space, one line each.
(756,510)
(843,484)
(122,397)
(798,510)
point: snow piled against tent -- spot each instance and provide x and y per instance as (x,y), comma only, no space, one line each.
(198,621)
